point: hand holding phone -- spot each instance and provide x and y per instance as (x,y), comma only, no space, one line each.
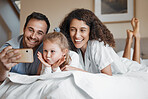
(26,55)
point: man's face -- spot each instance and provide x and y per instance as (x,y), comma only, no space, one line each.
(34,33)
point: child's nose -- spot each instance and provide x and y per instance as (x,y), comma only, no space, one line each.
(48,54)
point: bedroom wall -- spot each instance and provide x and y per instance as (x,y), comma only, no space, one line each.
(9,22)
(57,9)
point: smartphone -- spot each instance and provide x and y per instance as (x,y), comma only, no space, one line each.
(26,55)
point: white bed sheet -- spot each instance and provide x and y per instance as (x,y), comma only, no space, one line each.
(76,85)
(145,62)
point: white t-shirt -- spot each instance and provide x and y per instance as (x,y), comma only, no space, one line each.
(74,63)
(98,56)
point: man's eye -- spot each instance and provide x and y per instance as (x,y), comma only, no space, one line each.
(39,33)
(30,30)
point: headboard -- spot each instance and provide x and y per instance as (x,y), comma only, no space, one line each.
(120,44)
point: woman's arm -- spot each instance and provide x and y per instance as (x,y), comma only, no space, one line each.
(69,68)
(107,70)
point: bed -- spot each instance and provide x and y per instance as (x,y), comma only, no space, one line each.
(80,85)
(120,44)
(76,85)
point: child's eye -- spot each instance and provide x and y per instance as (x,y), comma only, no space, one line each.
(45,51)
(52,51)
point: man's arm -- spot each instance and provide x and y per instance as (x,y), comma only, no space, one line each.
(6,62)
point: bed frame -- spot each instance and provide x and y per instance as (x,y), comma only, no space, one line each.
(120,44)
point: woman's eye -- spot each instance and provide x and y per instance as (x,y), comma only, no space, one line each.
(83,30)
(72,30)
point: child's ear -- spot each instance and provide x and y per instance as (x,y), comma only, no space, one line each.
(65,51)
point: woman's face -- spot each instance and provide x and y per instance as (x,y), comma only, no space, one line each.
(79,33)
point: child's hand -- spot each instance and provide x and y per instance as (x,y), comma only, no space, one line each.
(58,63)
(40,57)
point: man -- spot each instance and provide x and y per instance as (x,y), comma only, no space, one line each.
(35,28)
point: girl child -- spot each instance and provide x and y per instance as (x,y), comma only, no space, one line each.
(94,43)
(56,54)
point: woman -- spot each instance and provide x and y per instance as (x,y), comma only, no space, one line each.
(94,43)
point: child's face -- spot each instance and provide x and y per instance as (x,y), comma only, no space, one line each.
(52,52)
(79,33)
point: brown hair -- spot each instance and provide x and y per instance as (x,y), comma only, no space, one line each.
(98,31)
(38,16)
(61,40)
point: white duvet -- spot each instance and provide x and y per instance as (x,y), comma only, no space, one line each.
(76,85)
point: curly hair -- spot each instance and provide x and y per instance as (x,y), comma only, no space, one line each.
(98,31)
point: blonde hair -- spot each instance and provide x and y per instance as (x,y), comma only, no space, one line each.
(61,40)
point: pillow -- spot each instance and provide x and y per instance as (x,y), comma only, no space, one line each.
(120,53)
